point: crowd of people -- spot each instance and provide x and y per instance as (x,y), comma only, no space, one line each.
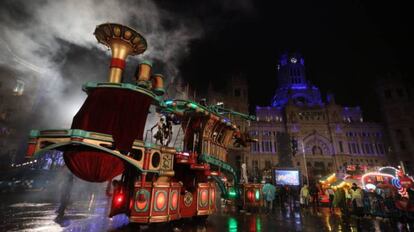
(381,202)
(278,195)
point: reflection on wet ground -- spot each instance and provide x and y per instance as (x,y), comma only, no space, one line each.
(92,216)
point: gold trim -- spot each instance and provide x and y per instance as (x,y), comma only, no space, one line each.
(101,137)
(169,150)
(161,185)
(176,184)
(138,219)
(204,212)
(167,173)
(158,218)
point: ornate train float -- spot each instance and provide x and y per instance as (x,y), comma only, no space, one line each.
(158,183)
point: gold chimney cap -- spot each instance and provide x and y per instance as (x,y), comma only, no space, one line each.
(107,33)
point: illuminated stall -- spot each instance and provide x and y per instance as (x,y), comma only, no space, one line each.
(325,183)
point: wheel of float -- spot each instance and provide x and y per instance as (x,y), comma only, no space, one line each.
(153,226)
(176,224)
(200,219)
(132,226)
(159,226)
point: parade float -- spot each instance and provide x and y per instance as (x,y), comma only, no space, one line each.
(159,183)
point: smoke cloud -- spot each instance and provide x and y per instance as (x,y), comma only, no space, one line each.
(53,42)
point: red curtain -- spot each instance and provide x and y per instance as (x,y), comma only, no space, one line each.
(118,112)
(93,165)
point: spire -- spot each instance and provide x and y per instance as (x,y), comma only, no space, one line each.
(330,98)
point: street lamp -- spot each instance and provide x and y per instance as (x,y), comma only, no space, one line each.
(306,163)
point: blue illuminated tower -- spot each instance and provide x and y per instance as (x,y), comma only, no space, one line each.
(291,71)
(292,83)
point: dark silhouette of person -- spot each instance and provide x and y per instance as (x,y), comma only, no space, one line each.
(167,129)
(65,195)
(159,135)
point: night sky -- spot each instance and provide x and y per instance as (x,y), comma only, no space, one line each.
(347,45)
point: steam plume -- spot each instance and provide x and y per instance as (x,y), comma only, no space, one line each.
(52,41)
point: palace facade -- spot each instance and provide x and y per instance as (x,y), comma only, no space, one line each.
(302,130)
(396,97)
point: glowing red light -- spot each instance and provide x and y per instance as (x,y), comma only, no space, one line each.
(119,198)
(250,195)
(160,200)
(141,204)
(204,196)
(174,200)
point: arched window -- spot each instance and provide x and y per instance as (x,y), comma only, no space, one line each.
(316,150)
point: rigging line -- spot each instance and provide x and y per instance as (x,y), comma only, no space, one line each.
(22,61)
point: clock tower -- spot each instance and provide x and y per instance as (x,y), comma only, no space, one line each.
(291,70)
(292,83)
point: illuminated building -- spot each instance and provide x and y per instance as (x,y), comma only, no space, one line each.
(330,137)
(234,95)
(397,107)
(16,103)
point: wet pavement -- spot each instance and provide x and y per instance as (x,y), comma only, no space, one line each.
(90,215)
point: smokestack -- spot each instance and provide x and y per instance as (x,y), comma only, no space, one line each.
(143,74)
(122,41)
(158,84)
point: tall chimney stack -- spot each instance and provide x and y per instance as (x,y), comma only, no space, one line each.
(122,41)
(144,74)
(158,84)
